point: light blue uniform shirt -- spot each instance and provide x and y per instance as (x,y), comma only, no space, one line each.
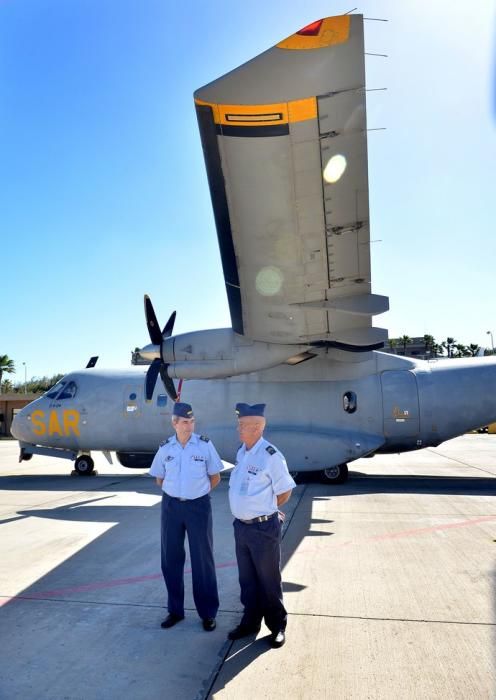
(185,470)
(259,476)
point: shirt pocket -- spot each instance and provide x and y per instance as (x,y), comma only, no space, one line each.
(198,467)
(171,469)
(257,483)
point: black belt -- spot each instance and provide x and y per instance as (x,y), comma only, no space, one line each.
(259,519)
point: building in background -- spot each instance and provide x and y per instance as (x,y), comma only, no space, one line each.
(10,404)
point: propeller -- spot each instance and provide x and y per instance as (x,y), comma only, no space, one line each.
(158,366)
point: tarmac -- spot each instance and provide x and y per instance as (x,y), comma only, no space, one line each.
(389,583)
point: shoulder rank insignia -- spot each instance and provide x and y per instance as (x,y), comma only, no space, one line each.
(270,450)
(164,442)
(204,438)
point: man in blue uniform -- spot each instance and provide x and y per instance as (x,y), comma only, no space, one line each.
(187,468)
(260,483)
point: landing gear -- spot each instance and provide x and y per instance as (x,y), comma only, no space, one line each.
(84,465)
(335,475)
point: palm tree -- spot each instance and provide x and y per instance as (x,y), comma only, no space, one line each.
(449,344)
(7,386)
(429,344)
(473,349)
(7,366)
(404,340)
(460,350)
(392,342)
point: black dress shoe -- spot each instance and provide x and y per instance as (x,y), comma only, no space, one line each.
(277,639)
(209,624)
(171,620)
(242,631)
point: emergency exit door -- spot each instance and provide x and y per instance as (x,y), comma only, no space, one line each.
(400,403)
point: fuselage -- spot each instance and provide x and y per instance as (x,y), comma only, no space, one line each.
(320,413)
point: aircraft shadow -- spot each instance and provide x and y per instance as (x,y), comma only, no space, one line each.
(115,574)
(359,483)
(67,482)
(120,566)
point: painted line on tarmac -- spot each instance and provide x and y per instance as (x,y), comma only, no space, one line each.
(402,533)
(458,461)
(97,585)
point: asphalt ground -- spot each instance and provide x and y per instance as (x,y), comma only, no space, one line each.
(389,583)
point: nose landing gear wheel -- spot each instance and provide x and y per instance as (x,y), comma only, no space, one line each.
(335,475)
(84,465)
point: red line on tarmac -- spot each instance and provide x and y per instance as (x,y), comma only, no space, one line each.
(432,528)
(403,533)
(98,585)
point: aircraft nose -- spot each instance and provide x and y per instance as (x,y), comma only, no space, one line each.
(21,426)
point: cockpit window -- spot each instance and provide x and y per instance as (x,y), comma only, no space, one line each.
(63,390)
(52,394)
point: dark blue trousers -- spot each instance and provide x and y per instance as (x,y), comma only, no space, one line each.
(194,518)
(258,552)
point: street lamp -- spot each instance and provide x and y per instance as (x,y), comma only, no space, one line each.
(25,378)
(492,341)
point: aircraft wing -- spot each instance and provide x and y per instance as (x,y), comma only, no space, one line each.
(285,145)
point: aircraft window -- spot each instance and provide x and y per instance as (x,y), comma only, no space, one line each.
(68,391)
(52,394)
(350,402)
(132,397)
(162,400)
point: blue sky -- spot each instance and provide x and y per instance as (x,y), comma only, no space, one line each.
(103,193)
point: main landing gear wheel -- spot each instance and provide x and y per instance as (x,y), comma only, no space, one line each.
(335,475)
(84,465)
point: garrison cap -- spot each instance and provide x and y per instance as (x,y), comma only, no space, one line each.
(243,410)
(182,410)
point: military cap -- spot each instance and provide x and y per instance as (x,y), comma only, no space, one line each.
(182,410)
(243,410)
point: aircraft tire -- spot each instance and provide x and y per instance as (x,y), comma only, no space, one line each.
(335,475)
(84,465)
(26,456)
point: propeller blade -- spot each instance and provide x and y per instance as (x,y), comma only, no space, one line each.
(92,362)
(152,323)
(168,383)
(151,378)
(167,332)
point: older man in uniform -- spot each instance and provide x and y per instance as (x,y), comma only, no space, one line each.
(260,483)
(187,468)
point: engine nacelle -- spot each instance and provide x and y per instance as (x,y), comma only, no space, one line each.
(221,352)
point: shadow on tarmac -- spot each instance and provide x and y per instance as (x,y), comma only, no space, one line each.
(358,483)
(93,575)
(116,577)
